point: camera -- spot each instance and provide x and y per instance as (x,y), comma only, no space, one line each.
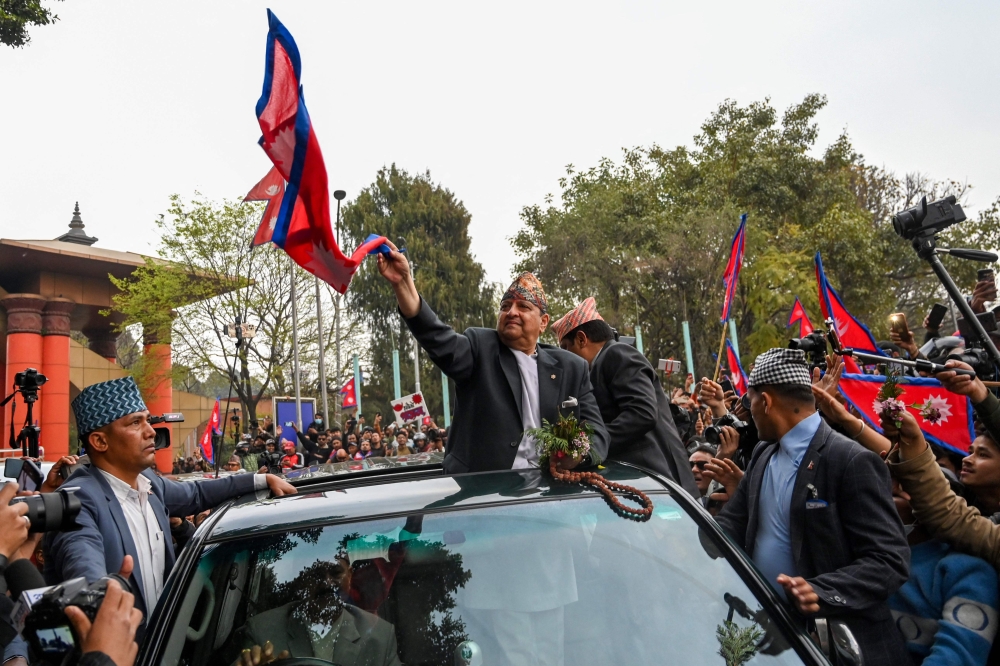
(814,345)
(29,381)
(748,437)
(271,460)
(52,512)
(927,219)
(975,353)
(713,431)
(47,628)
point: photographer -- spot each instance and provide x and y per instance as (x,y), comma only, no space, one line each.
(125,505)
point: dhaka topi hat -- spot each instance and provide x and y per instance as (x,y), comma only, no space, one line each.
(578,316)
(526,287)
(781,366)
(106,402)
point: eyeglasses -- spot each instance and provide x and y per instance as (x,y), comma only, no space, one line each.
(700,464)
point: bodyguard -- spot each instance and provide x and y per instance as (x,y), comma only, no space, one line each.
(816,514)
(635,409)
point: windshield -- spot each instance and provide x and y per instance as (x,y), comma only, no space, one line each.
(550,582)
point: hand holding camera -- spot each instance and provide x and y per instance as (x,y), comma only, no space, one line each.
(113,629)
(13,521)
(972,387)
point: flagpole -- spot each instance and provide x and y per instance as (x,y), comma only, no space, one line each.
(732,337)
(718,360)
(339,196)
(295,348)
(322,353)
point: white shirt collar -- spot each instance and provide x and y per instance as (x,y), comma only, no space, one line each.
(124,491)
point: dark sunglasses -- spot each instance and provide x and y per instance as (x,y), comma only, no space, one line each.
(700,464)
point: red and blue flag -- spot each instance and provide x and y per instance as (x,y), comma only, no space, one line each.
(732,274)
(736,374)
(288,138)
(212,429)
(350,399)
(271,189)
(953,430)
(852,333)
(800,317)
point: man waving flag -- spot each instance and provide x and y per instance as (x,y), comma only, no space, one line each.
(289,140)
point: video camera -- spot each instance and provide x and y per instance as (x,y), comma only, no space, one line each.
(927,219)
(46,626)
(814,346)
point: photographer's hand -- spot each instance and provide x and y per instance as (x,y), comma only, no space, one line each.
(985,291)
(53,479)
(13,522)
(113,629)
(963,384)
(729,441)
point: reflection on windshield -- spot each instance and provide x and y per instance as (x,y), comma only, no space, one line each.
(544,583)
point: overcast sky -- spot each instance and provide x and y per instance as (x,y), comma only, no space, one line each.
(122,103)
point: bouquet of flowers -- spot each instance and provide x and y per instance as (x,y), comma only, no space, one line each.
(565,437)
(887,403)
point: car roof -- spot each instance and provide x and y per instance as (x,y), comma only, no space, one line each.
(401,491)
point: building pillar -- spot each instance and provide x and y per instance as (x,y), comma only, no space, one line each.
(55,360)
(103,343)
(24,350)
(157,386)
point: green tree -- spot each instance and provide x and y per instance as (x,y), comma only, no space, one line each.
(17,15)
(434,227)
(649,235)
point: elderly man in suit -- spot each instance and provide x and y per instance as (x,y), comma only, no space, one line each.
(126,508)
(506,381)
(816,514)
(635,409)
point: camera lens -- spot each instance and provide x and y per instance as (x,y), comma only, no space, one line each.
(52,512)
(712,433)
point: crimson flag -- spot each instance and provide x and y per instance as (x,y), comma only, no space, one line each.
(954,431)
(207,448)
(271,189)
(736,374)
(799,315)
(290,142)
(350,400)
(852,333)
(732,274)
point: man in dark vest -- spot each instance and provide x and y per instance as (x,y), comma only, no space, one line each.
(506,381)
(635,409)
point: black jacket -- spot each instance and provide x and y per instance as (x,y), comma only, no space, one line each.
(853,550)
(486,430)
(637,414)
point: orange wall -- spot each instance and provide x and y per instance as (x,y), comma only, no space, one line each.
(159,397)
(55,418)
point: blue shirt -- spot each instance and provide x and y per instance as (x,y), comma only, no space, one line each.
(772,552)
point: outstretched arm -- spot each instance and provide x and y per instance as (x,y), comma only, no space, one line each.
(396,269)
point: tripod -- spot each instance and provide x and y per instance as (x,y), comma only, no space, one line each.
(27,439)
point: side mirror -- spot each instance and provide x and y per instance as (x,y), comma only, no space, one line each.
(838,643)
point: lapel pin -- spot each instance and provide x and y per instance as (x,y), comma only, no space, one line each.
(812,464)
(553,376)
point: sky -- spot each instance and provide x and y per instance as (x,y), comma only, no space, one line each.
(121,104)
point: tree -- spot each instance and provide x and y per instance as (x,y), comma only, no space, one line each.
(649,236)
(206,277)
(17,15)
(433,225)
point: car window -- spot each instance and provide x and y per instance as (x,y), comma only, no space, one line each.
(550,582)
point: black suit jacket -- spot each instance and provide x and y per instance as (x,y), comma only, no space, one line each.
(853,551)
(637,414)
(486,430)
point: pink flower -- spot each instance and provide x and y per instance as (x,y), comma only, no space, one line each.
(890,409)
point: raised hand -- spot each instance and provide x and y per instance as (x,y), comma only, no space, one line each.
(725,472)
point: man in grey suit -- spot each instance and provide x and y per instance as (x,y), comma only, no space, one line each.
(635,409)
(816,514)
(506,381)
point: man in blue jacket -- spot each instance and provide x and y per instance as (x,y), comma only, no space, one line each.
(126,507)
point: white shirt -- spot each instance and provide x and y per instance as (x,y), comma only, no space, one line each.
(150,542)
(146,533)
(527,456)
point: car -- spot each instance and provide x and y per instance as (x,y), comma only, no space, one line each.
(410,565)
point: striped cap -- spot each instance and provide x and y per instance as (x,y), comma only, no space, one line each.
(581,314)
(100,404)
(526,287)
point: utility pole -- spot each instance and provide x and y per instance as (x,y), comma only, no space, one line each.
(322,352)
(339,196)
(295,348)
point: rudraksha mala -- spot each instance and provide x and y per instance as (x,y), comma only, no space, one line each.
(607,488)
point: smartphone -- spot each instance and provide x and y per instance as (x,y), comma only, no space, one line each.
(936,316)
(289,424)
(727,384)
(897,322)
(27,473)
(984,274)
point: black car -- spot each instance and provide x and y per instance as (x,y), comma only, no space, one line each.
(413,566)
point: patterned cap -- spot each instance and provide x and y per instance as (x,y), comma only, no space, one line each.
(526,287)
(581,314)
(100,404)
(781,366)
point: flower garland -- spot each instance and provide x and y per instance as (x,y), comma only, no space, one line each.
(571,438)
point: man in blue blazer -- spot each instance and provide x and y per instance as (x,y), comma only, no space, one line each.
(126,507)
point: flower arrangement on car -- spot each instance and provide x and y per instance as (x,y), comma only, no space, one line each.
(570,438)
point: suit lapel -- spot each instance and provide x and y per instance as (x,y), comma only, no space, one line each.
(595,367)
(123,529)
(549,383)
(800,492)
(509,365)
(348,647)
